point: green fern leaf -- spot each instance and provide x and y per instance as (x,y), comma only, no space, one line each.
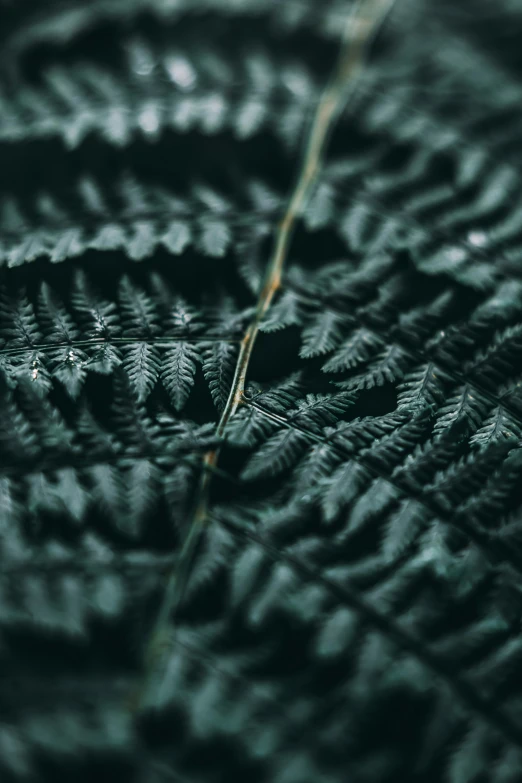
(178,371)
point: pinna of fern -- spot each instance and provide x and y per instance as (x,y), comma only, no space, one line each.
(154,335)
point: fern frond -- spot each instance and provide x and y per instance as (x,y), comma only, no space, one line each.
(142,364)
(151,219)
(138,311)
(466,476)
(19,325)
(287,311)
(498,425)
(388,367)
(321,459)
(322,335)
(375,500)
(248,427)
(151,88)
(501,359)
(389,450)
(218,366)
(322,410)
(422,387)
(98,316)
(466,403)
(278,453)
(178,370)
(421,322)
(361,346)
(404,527)
(98,334)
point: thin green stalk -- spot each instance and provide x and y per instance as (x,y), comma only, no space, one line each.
(359,31)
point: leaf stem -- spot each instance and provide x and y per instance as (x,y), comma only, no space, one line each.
(359,31)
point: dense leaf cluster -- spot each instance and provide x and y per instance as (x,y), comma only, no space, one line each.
(325,584)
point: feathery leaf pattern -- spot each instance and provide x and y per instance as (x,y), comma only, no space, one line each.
(260,385)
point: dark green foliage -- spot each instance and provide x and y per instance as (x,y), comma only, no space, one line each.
(338,596)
